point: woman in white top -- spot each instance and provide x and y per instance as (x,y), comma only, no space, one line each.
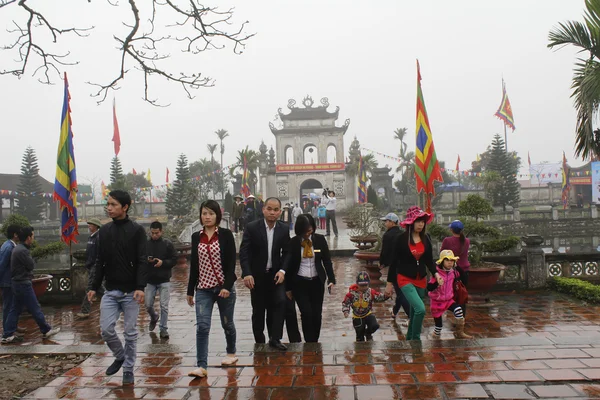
(308,265)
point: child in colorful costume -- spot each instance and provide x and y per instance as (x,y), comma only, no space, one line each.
(360,299)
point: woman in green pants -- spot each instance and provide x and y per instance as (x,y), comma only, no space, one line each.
(413,254)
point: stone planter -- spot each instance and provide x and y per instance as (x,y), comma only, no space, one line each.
(373,270)
(364,242)
(40,284)
(184,250)
(481,281)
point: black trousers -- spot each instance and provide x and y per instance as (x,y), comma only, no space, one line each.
(365,326)
(309,296)
(466,283)
(269,298)
(330,217)
(291,322)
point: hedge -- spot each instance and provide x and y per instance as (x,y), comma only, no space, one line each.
(576,287)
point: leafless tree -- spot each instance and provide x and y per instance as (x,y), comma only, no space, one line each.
(185,26)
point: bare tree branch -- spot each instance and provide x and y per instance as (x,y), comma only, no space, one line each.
(145,48)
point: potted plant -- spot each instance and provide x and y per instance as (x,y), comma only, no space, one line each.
(365,232)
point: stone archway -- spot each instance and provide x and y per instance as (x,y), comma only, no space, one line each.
(306,188)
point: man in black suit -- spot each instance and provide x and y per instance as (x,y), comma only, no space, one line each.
(262,252)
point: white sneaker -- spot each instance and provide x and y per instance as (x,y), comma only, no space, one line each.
(51,332)
(11,339)
(229,360)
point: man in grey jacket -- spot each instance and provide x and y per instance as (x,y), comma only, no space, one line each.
(22,266)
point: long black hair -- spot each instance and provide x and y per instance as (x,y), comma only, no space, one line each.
(422,234)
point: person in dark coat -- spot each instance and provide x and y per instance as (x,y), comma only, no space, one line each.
(211,280)
(237,213)
(91,252)
(262,252)
(122,262)
(309,268)
(162,257)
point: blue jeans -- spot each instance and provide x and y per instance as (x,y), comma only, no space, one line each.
(8,299)
(24,297)
(150,295)
(205,299)
(113,303)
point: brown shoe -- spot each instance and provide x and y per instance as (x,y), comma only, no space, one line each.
(198,373)
(20,329)
(460,329)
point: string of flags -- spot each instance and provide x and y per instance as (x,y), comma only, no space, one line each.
(474,174)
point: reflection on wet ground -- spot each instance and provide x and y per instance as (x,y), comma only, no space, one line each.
(529,345)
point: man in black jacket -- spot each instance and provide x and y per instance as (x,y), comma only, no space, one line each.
(261,257)
(21,267)
(386,259)
(122,262)
(91,253)
(161,259)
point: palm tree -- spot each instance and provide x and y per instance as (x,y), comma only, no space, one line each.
(585,36)
(252,162)
(400,134)
(211,149)
(369,161)
(222,134)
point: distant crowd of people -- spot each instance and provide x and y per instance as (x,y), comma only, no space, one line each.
(127,269)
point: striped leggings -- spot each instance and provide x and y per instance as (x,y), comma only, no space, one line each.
(458,313)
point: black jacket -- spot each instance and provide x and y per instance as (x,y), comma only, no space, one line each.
(21,264)
(91,250)
(227,245)
(386,256)
(122,259)
(406,264)
(254,249)
(164,250)
(322,260)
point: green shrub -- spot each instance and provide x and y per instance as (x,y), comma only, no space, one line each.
(578,288)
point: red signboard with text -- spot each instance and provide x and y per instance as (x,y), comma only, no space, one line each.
(291,168)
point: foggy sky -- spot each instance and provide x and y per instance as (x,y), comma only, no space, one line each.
(361,55)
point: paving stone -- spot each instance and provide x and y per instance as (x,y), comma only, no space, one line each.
(506,391)
(560,391)
(514,342)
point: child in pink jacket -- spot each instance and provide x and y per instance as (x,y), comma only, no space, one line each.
(441,297)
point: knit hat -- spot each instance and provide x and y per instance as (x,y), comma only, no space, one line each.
(363,278)
(413,214)
(95,221)
(446,254)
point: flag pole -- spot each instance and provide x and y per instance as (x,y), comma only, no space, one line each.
(505,139)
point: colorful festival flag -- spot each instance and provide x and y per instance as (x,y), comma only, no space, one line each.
(362,181)
(528,159)
(116,135)
(427,167)
(458,163)
(167,180)
(104,190)
(149,177)
(245,179)
(65,183)
(566,185)
(505,110)
(134,171)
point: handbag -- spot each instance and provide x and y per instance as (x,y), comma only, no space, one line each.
(461,296)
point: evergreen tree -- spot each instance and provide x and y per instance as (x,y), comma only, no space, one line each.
(179,198)
(31,202)
(117,178)
(372,197)
(500,177)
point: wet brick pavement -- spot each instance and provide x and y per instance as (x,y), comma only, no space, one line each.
(526,346)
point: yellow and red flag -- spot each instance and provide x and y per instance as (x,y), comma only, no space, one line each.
(566,185)
(245,179)
(362,181)
(505,110)
(427,167)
